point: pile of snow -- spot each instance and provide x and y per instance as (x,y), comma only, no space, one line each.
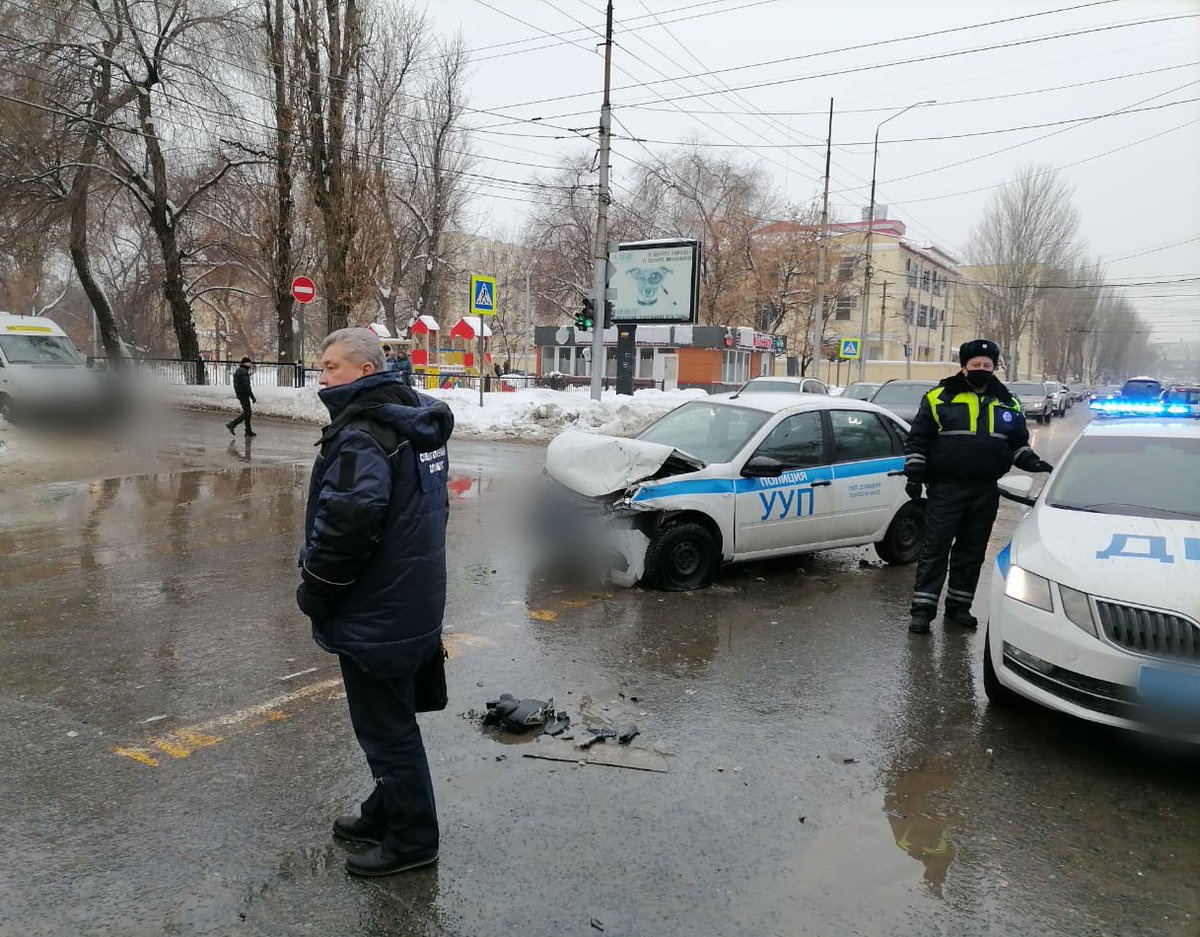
(535,415)
(5,443)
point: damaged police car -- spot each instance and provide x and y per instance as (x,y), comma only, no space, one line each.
(730,478)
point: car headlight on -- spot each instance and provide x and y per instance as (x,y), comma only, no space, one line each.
(1026,587)
(1078,609)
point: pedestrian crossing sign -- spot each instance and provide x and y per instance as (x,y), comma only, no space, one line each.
(483,296)
(850,348)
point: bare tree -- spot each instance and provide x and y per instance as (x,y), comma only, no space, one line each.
(1028,233)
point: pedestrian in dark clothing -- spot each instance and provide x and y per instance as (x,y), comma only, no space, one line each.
(968,432)
(373,571)
(245,396)
(403,365)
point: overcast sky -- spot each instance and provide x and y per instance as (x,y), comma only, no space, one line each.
(1140,199)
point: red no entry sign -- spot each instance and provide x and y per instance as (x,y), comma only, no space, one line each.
(303,290)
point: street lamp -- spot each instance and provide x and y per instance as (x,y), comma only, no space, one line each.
(866,297)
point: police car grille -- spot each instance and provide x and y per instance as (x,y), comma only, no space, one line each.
(1158,634)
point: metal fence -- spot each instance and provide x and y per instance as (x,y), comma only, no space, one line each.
(291,374)
(514,382)
(182,371)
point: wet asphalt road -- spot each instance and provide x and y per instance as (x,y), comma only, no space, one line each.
(175,747)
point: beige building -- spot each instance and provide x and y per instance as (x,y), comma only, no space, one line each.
(920,308)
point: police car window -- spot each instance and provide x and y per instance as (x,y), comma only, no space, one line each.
(858,435)
(1130,476)
(797,442)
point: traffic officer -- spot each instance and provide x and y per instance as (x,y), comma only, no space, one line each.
(968,432)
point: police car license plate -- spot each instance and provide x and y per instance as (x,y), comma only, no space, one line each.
(1173,688)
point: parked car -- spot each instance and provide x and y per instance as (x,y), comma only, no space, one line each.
(731,478)
(782,385)
(1092,610)
(903,398)
(1037,402)
(860,390)
(1069,396)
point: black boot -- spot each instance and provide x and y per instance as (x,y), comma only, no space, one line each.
(378,860)
(919,624)
(961,617)
(229,426)
(369,826)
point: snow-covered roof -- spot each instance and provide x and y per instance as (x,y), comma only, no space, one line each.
(425,324)
(468,327)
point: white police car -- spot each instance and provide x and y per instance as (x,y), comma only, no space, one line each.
(730,478)
(1095,605)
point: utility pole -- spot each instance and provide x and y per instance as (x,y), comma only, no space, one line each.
(600,253)
(868,272)
(883,315)
(822,248)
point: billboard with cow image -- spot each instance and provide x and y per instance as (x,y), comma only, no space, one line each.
(655,281)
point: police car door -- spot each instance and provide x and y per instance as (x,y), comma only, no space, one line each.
(867,473)
(791,511)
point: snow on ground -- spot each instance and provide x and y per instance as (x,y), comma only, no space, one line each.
(533,415)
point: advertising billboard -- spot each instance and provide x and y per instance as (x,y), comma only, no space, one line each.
(655,281)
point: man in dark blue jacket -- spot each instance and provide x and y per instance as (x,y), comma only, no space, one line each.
(245,395)
(374,583)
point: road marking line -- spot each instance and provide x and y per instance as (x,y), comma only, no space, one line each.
(543,614)
(298,673)
(182,742)
(456,643)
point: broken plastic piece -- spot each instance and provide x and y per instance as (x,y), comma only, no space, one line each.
(598,924)
(598,735)
(559,724)
(628,734)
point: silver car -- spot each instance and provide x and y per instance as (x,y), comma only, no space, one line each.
(902,398)
(1036,399)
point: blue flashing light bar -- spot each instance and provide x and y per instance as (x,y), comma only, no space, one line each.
(1131,408)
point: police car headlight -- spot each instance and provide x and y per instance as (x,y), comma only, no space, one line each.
(1024,586)
(1078,609)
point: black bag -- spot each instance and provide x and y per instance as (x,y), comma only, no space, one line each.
(429,682)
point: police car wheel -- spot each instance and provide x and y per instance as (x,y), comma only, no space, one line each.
(902,542)
(996,692)
(682,557)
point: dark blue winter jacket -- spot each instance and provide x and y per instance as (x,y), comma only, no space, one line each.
(374,558)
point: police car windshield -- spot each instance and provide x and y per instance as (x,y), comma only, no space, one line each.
(901,393)
(1134,476)
(706,431)
(1136,388)
(38,349)
(1027,389)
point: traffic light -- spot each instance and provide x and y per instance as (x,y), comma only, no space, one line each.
(608,311)
(585,319)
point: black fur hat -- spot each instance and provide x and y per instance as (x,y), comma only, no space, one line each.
(976,348)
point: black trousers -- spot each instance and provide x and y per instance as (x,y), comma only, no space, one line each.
(958,523)
(245,415)
(383,713)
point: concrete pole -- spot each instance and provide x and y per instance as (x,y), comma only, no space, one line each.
(600,252)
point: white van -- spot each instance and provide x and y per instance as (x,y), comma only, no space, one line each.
(40,370)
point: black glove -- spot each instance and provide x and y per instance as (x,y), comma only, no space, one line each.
(913,489)
(316,606)
(1029,461)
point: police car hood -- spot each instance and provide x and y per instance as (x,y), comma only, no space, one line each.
(1138,560)
(595,465)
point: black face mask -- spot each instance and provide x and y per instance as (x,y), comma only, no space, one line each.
(979,379)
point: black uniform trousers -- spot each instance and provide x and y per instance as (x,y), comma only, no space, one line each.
(384,716)
(245,415)
(958,522)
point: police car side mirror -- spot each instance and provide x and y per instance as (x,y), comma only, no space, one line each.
(763,466)
(1017,488)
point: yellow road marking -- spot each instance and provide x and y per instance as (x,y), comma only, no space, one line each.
(543,614)
(456,643)
(183,742)
(137,754)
